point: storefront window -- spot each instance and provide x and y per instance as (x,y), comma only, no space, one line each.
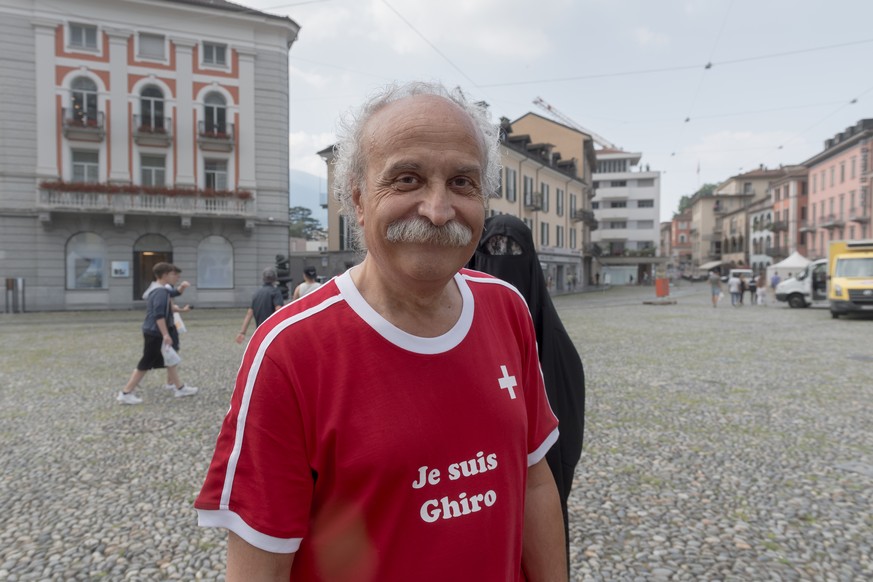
(86,262)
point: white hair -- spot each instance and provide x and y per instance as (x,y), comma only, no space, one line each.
(349,153)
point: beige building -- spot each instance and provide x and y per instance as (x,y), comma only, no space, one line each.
(718,234)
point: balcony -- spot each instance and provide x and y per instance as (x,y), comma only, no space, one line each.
(807,226)
(832,221)
(533,201)
(777,252)
(131,199)
(215,137)
(858,215)
(152,131)
(83,126)
(779,225)
(582,215)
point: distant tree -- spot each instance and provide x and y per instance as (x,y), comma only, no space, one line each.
(302,225)
(707,189)
(684,204)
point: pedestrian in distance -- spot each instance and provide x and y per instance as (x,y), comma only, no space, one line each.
(775,280)
(308,285)
(761,289)
(715,287)
(735,288)
(562,368)
(178,325)
(393,423)
(158,331)
(266,301)
(753,290)
(743,288)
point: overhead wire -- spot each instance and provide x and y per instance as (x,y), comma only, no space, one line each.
(429,43)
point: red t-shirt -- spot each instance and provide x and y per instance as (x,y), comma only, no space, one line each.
(377,455)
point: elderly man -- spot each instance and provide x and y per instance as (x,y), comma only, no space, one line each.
(392,424)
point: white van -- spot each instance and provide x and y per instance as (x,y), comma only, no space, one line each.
(808,287)
(747,273)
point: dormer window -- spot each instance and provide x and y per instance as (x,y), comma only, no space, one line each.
(214,54)
(151,46)
(83,36)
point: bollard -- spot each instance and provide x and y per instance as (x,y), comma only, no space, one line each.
(662,287)
(15,295)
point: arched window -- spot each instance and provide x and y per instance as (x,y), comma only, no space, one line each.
(84,100)
(151,107)
(215,263)
(215,113)
(86,262)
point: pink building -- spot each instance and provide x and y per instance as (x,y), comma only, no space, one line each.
(839,189)
(681,240)
(790,199)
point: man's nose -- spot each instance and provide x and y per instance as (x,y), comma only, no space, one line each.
(437,205)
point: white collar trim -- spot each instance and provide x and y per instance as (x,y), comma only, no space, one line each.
(400,338)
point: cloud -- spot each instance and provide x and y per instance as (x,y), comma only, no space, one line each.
(649,38)
(303,148)
(504,29)
(741,151)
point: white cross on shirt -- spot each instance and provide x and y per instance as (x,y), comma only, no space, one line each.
(507,382)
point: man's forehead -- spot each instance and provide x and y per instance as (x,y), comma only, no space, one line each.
(417,120)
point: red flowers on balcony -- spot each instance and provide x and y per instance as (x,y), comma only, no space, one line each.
(171,191)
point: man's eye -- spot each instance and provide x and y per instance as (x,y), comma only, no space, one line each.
(462,183)
(406,180)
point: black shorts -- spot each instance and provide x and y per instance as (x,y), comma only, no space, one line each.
(151,353)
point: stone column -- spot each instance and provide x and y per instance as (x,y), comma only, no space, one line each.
(185,136)
(119,118)
(46,119)
(246,129)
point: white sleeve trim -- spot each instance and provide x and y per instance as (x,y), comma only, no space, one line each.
(537,456)
(230,520)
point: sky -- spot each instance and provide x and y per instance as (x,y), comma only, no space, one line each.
(703,89)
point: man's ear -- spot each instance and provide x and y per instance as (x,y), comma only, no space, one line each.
(359,207)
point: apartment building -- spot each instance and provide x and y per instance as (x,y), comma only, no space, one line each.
(680,243)
(761,251)
(138,132)
(714,243)
(840,189)
(626,204)
(790,202)
(540,184)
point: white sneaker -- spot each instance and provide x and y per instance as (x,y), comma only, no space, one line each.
(128,398)
(170,386)
(185,390)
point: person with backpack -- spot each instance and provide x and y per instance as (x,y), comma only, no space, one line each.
(158,331)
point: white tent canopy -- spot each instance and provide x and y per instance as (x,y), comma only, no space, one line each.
(789,267)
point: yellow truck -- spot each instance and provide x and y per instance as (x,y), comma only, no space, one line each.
(850,276)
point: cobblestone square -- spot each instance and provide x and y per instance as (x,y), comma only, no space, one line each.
(721,444)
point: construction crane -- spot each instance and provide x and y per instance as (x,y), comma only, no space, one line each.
(541,103)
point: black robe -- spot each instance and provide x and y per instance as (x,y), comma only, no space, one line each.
(562,368)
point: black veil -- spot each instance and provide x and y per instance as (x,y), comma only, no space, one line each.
(507,251)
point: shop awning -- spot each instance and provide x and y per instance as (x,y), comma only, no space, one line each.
(710,265)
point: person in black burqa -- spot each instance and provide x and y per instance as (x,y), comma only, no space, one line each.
(506,250)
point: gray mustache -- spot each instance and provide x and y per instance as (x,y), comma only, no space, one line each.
(423,231)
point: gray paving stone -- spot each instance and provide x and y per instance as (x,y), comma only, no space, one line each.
(721,444)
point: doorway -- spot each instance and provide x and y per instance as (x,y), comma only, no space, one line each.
(148,251)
